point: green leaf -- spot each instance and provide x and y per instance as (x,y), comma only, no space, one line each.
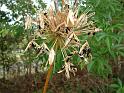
(119,82)
(114,86)
(120,90)
(90,65)
(121,53)
(82,64)
(108,44)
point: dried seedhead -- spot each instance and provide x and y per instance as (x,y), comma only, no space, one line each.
(62,28)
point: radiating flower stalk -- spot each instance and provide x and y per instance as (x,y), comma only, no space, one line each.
(62,28)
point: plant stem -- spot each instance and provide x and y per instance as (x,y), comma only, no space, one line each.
(47,78)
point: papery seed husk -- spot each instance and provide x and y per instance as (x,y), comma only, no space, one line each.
(83,46)
(69,39)
(51,56)
(29,45)
(70,19)
(28,21)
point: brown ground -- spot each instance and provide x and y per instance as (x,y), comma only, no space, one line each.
(81,83)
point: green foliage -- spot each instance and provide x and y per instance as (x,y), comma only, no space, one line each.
(118,86)
(108,44)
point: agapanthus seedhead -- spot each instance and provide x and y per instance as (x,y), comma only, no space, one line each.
(62,28)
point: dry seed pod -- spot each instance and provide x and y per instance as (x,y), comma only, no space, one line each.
(28,46)
(67,30)
(91,14)
(45,46)
(63,2)
(51,56)
(36,46)
(67,58)
(85,52)
(51,19)
(32,44)
(69,39)
(83,47)
(93,31)
(42,49)
(70,55)
(76,12)
(82,18)
(28,22)
(70,19)
(68,67)
(40,20)
(38,33)
(58,27)
(76,38)
(97,30)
